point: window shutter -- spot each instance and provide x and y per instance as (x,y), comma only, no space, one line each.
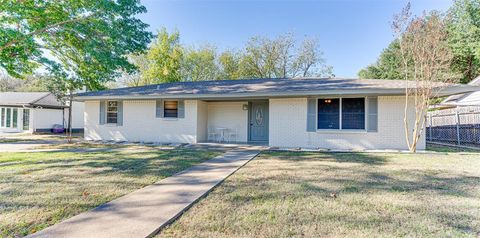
(102,112)
(372,114)
(159,109)
(120,113)
(181,109)
(311,114)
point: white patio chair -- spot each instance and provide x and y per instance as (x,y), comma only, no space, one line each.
(232,135)
(212,134)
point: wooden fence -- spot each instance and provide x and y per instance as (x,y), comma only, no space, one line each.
(456,126)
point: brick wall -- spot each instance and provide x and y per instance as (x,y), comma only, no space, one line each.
(288,127)
(140,124)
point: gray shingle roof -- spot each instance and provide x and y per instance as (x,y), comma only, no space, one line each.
(44,99)
(252,88)
(453,99)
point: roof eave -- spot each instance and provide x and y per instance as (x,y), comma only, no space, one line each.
(246,95)
(350,92)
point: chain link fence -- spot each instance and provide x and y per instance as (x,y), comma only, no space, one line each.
(456,126)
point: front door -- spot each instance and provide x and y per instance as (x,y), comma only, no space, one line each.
(258,121)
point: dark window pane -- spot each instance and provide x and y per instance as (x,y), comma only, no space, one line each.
(15,118)
(112,111)
(26,119)
(329,113)
(170,113)
(9,117)
(3,118)
(112,120)
(353,113)
(170,109)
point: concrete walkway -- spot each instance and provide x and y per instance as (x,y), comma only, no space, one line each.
(145,211)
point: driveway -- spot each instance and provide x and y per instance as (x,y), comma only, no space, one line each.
(6,145)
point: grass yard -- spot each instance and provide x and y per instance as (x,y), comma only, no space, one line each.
(292,194)
(42,188)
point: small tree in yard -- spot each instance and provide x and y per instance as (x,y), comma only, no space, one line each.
(426,60)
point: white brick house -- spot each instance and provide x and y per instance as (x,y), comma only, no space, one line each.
(309,113)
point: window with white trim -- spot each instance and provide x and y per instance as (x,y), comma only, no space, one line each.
(112,112)
(341,114)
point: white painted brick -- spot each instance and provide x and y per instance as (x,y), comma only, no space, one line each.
(288,127)
(287,124)
(140,124)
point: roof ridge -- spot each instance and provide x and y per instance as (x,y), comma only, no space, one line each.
(40,98)
(475,81)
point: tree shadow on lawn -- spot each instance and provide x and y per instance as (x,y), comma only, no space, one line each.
(364,177)
(65,184)
(154,162)
(373,176)
(341,157)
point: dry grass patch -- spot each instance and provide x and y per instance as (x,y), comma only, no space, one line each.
(282,194)
(40,189)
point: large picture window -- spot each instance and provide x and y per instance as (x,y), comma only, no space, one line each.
(353,113)
(341,113)
(112,112)
(170,109)
(329,113)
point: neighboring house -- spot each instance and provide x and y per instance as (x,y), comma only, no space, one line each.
(463,100)
(36,112)
(311,113)
(456,120)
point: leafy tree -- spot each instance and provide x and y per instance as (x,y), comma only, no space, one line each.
(464,38)
(32,83)
(200,64)
(279,58)
(310,62)
(426,60)
(164,58)
(387,65)
(136,78)
(260,58)
(82,42)
(229,63)
(8,83)
(169,61)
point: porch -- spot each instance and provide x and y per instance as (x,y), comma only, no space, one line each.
(233,122)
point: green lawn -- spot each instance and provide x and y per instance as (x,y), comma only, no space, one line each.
(290,194)
(40,189)
(444,148)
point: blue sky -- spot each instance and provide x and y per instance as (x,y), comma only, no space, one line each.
(352,33)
